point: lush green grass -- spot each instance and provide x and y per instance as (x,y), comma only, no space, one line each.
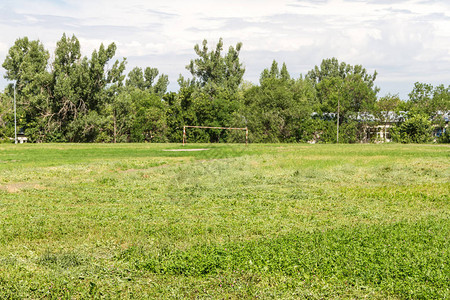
(266,221)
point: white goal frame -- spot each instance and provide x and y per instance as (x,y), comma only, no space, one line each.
(209,127)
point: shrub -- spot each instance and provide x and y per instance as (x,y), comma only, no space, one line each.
(416,129)
(444,138)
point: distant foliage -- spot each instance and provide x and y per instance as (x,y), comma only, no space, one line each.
(444,138)
(67,97)
(275,110)
(416,129)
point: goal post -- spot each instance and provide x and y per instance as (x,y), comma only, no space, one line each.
(209,127)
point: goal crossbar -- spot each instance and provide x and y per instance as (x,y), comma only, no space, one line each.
(211,127)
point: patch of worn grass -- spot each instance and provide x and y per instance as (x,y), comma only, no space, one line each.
(270,221)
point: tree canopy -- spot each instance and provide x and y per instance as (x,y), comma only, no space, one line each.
(68,97)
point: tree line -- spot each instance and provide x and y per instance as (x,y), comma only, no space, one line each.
(72,98)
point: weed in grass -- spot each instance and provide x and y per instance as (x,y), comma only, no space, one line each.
(60,260)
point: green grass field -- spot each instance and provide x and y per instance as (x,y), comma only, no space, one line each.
(263,221)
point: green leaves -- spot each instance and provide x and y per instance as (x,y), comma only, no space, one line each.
(25,60)
(275,110)
(352,85)
(145,80)
(215,70)
(416,129)
(428,100)
(55,97)
(27,64)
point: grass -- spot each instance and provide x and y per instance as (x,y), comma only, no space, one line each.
(263,221)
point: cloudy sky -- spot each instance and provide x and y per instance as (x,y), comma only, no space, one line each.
(404,40)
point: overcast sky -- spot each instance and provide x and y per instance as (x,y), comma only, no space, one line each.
(404,40)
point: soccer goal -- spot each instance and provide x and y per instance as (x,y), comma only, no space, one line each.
(208,127)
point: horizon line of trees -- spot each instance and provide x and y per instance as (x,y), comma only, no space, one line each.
(91,99)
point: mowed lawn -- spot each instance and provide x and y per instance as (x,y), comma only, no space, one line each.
(260,221)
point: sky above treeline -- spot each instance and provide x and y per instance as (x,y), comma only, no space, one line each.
(405,41)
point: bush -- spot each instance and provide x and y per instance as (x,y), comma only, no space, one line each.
(444,138)
(416,129)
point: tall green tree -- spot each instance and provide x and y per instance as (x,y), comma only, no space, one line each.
(83,88)
(351,85)
(386,111)
(347,91)
(146,80)
(210,97)
(212,69)
(275,110)
(146,118)
(417,128)
(27,65)
(98,75)
(117,109)
(428,100)
(70,78)
(6,117)
(149,123)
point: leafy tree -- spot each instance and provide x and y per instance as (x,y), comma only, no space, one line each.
(83,86)
(441,98)
(211,96)
(86,99)
(117,108)
(344,88)
(416,129)
(149,122)
(428,100)
(212,70)
(51,97)
(432,102)
(141,105)
(26,64)
(445,137)
(386,104)
(6,117)
(89,127)
(275,110)
(69,83)
(145,80)
(174,116)
(352,85)
(136,79)
(98,75)
(386,110)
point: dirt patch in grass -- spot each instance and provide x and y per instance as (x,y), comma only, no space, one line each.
(18,186)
